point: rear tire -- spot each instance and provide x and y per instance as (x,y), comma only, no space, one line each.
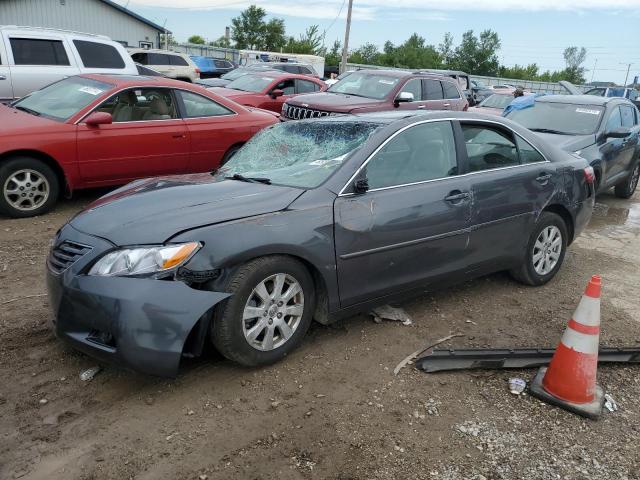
(28,187)
(627,188)
(268,314)
(545,251)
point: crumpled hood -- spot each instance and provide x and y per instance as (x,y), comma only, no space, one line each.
(153,210)
(333,102)
(569,143)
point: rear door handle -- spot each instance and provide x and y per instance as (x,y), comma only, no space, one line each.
(421,107)
(456,196)
(447,105)
(543,178)
(179,135)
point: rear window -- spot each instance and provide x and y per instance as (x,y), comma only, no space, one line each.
(450,90)
(221,64)
(563,118)
(98,55)
(32,51)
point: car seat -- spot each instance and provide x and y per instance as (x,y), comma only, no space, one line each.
(123,111)
(158,110)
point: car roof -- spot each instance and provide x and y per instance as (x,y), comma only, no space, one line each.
(388,117)
(577,99)
(275,74)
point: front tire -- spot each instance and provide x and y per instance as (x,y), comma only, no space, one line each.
(627,188)
(28,187)
(545,251)
(271,308)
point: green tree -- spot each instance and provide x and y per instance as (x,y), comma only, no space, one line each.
(223,42)
(311,42)
(478,55)
(367,54)
(251,31)
(574,57)
(413,53)
(521,72)
(197,39)
(446,50)
(334,55)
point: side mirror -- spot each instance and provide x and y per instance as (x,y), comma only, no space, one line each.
(99,118)
(620,132)
(276,93)
(361,185)
(404,97)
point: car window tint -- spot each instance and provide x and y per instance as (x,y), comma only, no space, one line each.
(157,59)
(31,51)
(422,152)
(598,92)
(98,55)
(305,71)
(305,86)
(614,121)
(528,154)
(450,91)
(489,148)
(432,90)
(177,61)
(287,86)
(414,87)
(198,106)
(140,57)
(140,105)
(628,117)
(290,68)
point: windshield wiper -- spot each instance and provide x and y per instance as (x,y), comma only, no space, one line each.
(28,110)
(242,178)
(549,130)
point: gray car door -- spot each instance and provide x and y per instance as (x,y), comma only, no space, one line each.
(510,182)
(6,89)
(412,224)
(616,152)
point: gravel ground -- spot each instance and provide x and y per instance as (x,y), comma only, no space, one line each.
(333,409)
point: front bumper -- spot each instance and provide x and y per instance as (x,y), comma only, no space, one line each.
(136,323)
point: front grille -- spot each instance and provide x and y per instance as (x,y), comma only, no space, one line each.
(66,254)
(299,113)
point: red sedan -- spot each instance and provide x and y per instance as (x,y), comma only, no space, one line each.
(269,90)
(97,130)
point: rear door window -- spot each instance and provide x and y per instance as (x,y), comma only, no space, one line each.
(98,55)
(32,51)
(157,59)
(197,106)
(177,61)
(287,86)
(432,90)
(450,91)
(614,121)
(489,148)
(140,58)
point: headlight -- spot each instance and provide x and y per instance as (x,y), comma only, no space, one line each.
(144,260)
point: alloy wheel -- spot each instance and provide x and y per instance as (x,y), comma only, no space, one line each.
(273,312)
(547,250)
(26,190)
(633,181)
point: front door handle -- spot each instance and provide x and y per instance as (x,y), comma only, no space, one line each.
(2,77)
(456,196)
(421,107)
(179,135)
(447,105)
(543,178)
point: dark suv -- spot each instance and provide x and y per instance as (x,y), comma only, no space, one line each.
(377,90)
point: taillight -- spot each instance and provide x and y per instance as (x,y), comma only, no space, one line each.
(589,175)
(466,107)
(197,70)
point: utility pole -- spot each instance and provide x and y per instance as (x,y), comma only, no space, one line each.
(345,49)
(593,73)
(627,76)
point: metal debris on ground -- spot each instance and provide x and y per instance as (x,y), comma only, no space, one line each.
(517,385)
(387,312)
(410,357)
(609,403)
(89,373)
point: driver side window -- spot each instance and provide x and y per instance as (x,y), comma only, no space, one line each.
(414,87)
(287,86)
(420,153)
(614,121)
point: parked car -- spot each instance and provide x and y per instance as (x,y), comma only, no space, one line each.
(269,90)
(99,130)
(178,66)
(212,67)
(289,67)
(317,219)
(31,58)
(376,90)
(603,130)
(480,91)
(235,74)
(494,104)
(622,92)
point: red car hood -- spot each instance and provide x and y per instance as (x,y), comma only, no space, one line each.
(236,95)
(334,102)
(16,122)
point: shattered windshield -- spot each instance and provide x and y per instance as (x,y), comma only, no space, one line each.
(298,154)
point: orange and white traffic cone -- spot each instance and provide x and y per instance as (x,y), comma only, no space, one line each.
(570,380)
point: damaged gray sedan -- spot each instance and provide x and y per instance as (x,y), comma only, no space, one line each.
(317,219)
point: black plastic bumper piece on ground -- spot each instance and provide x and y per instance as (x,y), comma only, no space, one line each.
(443,360)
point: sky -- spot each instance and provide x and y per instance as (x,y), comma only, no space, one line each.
(531,31)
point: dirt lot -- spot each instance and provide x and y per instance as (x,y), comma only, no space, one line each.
(333,409)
